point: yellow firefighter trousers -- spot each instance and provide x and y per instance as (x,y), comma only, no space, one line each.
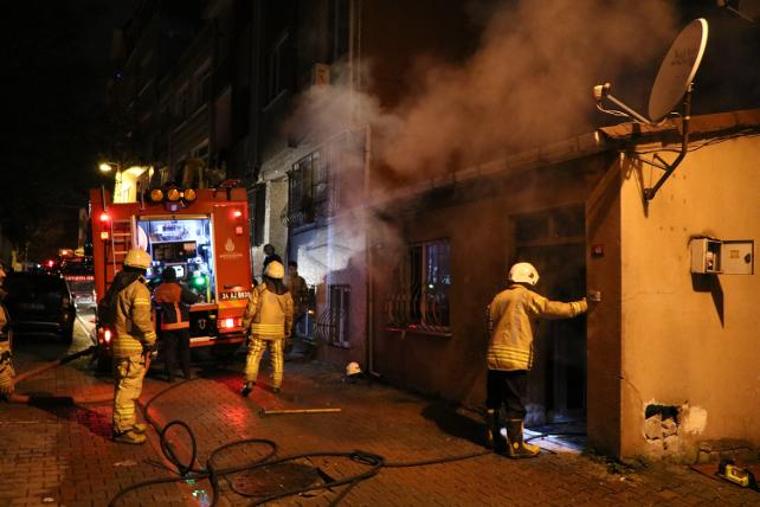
(6,379)
(128,380)
(256,348)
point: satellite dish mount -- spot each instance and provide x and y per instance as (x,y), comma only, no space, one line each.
(673,85)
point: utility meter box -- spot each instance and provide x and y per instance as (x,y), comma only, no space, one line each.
(713,256)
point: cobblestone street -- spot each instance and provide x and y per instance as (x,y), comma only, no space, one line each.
(61,454)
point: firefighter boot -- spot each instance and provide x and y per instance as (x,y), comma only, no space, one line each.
(247,388)
(129,437)
(494,438)
(139,428)
(518,448)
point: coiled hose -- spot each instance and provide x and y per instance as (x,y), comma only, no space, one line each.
(188,470)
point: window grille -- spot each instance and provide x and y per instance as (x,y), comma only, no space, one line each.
(422,300)
(333,323)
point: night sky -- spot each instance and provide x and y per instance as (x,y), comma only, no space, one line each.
(54,69)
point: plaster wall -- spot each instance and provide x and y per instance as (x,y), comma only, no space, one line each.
(689,342)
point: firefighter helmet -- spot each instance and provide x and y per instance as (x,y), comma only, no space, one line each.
(137,258)
(353,368)
(275,270)
(523,272)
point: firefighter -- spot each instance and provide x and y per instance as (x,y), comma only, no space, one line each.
(6,363)
(299,291)
(268,318)
(511,316)
(134,342)
(173,301)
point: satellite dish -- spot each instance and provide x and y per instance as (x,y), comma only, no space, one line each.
(678,69)
(672,85)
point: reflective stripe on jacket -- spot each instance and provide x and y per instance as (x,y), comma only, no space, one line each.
(269,316)
(511,315)
(173,300)
(133,326)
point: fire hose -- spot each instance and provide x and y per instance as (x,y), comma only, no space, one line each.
(33,399)
(188,470)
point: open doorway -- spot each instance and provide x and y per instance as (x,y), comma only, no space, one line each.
(554,242)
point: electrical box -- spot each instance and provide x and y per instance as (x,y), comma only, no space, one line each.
(713,256)
(738,257)
(705,255)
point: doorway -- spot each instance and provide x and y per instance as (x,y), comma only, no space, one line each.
(554,242)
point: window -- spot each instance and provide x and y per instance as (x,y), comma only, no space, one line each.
(332,325)
(339,22)
(276,67)
(257,200)
(307,190)
(422,303)
(202,86)
(559,225)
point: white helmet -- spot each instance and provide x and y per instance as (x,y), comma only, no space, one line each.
(275,270)
(353,368)
(137,258)
(523,272)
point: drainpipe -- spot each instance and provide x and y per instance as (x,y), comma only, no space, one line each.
(368,250)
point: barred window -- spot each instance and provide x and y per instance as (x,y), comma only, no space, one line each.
(422,301)
(307,190)
(332,325)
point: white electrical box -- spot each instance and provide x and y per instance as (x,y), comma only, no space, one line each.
(713,256)
(738,257)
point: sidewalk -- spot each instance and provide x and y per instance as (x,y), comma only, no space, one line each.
(63,456)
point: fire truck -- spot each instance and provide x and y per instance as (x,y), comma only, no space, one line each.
(202,234)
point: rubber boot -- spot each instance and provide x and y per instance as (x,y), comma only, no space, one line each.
(129,437)
(494,438)
(518,448)
(247,388)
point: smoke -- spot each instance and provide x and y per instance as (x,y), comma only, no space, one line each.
(528,83)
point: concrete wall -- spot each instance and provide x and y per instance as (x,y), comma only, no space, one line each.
(688,342)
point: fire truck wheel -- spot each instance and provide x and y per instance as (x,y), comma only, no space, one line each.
(103,363)
(67,335)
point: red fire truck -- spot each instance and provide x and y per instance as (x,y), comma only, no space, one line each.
(202,234)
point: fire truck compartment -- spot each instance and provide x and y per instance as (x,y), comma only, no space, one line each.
(184,245)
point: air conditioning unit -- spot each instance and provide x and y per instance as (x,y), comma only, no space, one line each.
(320,74)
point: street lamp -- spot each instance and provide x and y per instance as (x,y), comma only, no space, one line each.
(106,167)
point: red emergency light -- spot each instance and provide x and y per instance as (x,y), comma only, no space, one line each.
(107,335)
(104,217)
(237,213)
(228,323)
(50,263)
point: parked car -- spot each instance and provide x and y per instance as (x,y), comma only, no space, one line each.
(40,303)
(82,290)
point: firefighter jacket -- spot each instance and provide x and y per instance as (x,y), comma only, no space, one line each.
(6,364)
(511,318)
(173,302)
(133,325)
(268,315)
(299,291)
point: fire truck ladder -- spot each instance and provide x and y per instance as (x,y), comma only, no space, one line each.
(116,250)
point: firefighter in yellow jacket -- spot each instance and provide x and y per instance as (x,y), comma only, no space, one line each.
(510,354)
(269,319)
(6,364)
(134,341)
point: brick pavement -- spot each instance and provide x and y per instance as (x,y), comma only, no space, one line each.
(62,455)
